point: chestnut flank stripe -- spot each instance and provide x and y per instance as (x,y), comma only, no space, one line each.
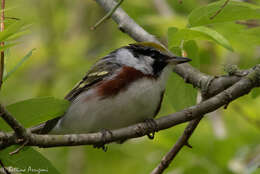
(121,82)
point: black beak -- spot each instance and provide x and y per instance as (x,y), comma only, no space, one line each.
(178,60)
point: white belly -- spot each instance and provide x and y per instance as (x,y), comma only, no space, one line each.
(135,104)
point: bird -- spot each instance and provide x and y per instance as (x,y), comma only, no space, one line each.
(123,88)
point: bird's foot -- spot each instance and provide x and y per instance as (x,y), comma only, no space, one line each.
(152,125)
(102,144)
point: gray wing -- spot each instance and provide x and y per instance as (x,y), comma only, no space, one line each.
(100,71)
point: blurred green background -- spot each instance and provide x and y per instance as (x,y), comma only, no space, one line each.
(226,141)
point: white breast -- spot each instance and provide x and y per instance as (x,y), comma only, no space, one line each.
(90,114)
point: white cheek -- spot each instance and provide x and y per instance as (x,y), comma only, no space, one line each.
(125,57)
(146,64)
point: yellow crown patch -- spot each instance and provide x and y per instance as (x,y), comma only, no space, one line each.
(153,45)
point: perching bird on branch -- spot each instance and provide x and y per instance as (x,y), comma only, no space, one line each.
(123,88)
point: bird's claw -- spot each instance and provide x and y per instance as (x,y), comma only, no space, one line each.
(102,144)
(152,125)
(151,135)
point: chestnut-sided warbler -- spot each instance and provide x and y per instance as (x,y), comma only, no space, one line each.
(123,88)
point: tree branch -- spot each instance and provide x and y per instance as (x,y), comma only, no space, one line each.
(209,85)
(241,88)
(182,141)
(190,128)
(228,87)
(186,71)
(13,123)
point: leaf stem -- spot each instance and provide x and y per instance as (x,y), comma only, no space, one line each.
(220,9)
(2,56)
(107,16)
(7,75)
(19,148)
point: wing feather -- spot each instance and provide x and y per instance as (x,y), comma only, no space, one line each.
(103,69)
(100,71)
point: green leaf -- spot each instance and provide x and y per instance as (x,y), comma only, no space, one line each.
(180,94)
(192,51)
(171,37)
(255,92)
(241,37)
(7,46)
(252,33)
(176,50)
(26,161)
(199,33)
(8,74)
(34,111)
(17,35)
(11,30)
(215,36)
(232,12)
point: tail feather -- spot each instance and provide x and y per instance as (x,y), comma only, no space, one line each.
(46,127)
(37,129)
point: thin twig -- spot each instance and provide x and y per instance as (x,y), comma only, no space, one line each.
(2,165)
(2,27)
(107,16)
(182,141)
(13,18)
(13,123)
(249,23)
(19,148)
(127,24)
(220,9)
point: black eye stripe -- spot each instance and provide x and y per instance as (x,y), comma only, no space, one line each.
(158,66)
(159,58)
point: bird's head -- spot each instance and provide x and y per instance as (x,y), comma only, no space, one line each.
(148,57)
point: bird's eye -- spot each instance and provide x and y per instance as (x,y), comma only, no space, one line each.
(153,54)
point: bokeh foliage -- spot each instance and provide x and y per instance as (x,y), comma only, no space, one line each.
(225,142)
